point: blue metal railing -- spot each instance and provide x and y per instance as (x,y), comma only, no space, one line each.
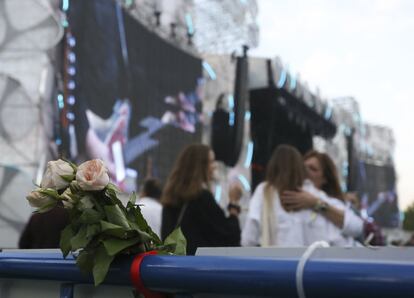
(52,266)
(229,275)
(271,277)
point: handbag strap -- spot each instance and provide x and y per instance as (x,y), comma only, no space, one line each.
(181,215)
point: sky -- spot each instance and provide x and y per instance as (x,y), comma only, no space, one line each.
(359,48)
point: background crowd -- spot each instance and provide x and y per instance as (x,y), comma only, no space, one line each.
(299,202)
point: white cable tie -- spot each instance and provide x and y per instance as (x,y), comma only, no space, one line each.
(301,265)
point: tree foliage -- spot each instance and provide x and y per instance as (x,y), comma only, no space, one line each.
(408,223)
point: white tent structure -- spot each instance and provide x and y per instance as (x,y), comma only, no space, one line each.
(29,31)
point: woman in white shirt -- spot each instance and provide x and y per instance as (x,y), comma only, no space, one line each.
(269,222)
(329,200)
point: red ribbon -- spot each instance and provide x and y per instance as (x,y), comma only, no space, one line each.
(136,279)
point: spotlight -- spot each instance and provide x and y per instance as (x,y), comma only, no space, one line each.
(71,70)
(72,57)
(71,85)
(71,100)
(71,41)
(70,116)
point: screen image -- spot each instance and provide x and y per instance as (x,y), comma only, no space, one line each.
(138,101)
(380,197)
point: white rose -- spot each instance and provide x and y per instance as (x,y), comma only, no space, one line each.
(39,200)
(54,172)
(92,175)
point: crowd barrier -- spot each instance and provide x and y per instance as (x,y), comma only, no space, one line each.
(326,274)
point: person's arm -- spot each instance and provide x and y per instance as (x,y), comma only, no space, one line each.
(298,200)
(332,209)
(235,194)
(332,213)
(353,224)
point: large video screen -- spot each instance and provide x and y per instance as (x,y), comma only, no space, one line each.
(379,195)
(137,95)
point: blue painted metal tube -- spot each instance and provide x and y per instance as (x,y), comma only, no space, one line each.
(224,275)
(358,279)
(229,275)
(52,266)
(272,277)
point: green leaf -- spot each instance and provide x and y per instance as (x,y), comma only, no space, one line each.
(116,216)
(80,240)
(74,167)
(177,238)
(113,188)
(101,265)
(137,249)
(111,192)
(47,207)
(114,245)
(68,178)
(74,187)
(85,261)
(97,204)
(109,226)
(114,230)
(86,202)
(92,230)
(123,233)
(90,216)
(50,192)
(132,198)
(166,249)
(138,223)
(145,237)
(65,237)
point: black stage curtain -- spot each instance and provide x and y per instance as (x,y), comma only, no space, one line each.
(273,124)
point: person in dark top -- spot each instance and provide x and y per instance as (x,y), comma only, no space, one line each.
(43,229)
(189,203)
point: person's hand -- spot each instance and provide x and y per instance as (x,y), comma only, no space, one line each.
(298,200)
(235,193)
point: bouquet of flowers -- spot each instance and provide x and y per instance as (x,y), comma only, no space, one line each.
(101,227)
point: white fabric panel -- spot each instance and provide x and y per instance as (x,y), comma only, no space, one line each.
(29,25)
(28,28)
(27,69)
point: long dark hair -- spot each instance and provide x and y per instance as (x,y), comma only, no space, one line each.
(188,176)
(331,187)
(285,170)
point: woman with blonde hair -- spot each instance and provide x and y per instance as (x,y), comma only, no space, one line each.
(268,223)
(189,203)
